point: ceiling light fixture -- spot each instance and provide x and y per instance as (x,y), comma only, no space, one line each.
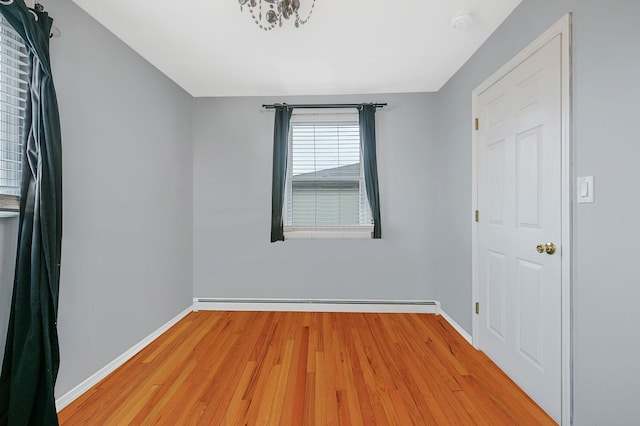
(275,11)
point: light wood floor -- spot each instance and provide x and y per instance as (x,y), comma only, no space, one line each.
(277,368)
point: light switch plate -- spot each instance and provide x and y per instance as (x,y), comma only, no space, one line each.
(584,189)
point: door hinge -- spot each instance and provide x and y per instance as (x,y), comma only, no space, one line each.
(477,124)
(477,308)
(477,216)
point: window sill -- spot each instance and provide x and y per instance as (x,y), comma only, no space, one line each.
(9,204)
(333,233)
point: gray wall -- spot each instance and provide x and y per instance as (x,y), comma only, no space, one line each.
(606,145)
(8,241)
(233,257)
(127,160)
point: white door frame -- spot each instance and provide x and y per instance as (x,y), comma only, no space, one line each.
(562,28)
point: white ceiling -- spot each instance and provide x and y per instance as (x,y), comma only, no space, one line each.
(210,48)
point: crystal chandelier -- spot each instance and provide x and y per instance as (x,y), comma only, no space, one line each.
(274,11)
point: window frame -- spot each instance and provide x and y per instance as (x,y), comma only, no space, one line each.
(291,232)
(10,203)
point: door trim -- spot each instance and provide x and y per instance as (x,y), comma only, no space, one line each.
(562,28)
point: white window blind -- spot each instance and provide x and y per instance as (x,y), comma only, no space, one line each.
(325,180)
(14,84)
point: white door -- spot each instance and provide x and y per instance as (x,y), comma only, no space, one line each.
(519,203)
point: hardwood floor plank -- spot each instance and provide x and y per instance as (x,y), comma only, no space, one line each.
(238,406)
(309,400)
(359,386)
(320,391)
(285,368)
(293,403)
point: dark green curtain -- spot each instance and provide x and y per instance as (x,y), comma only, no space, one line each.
(31,357)
(278,183)
(367,115)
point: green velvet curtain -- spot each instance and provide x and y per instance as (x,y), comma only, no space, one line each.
(31,357)
(367,115)
(278,182)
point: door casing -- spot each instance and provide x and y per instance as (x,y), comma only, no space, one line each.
(562,28)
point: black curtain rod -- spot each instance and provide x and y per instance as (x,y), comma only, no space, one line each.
(323,106)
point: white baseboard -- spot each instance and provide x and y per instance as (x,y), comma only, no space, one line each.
(459,329)
(74,393)
(317,305)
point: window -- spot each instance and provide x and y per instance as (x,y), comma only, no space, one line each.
(325,189)
(14,85)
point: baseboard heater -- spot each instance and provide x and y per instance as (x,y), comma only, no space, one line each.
(317,305)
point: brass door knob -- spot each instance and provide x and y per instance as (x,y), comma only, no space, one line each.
(548,248)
